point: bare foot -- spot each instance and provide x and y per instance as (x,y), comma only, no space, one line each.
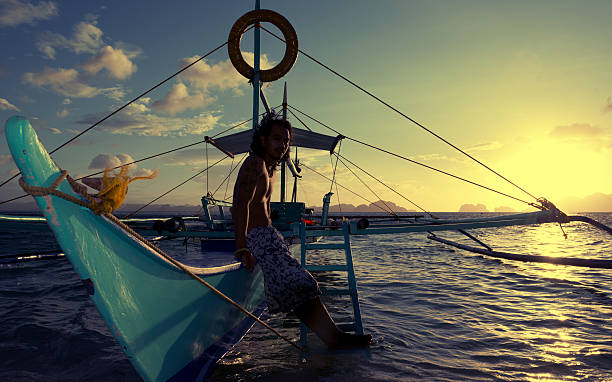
(351,341)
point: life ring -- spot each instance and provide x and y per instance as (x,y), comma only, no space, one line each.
(254,17)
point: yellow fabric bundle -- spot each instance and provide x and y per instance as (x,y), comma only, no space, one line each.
(114,189)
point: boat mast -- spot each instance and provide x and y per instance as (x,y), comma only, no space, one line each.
(256,50)
(282,190)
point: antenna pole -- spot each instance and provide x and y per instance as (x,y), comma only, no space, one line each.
(282,190)
(256,49)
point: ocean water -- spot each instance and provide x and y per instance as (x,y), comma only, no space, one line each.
(436,314)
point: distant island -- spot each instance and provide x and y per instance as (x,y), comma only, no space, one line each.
(473,208)
(598,202)
(378,206)
(482,208)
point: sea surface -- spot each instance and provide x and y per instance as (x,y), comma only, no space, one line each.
(436,314)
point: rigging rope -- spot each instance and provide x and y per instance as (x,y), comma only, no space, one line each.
(390,210)
(124,106)
(227,184)
(384,184)
(341,186)
(232,169)
(415,162)
(146,158)
(298,118)
(402,114)
(52,189)
(174,188)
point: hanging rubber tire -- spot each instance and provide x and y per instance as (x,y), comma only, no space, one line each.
(254,17)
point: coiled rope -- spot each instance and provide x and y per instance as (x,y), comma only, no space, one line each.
(52,190)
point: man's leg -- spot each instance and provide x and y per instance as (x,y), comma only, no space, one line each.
(314,314)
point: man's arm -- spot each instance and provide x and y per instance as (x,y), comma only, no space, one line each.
(246,185)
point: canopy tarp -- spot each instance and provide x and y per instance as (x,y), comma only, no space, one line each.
(241,142)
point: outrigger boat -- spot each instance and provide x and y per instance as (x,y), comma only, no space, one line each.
(170,325)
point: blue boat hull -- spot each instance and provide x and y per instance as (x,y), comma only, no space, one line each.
(170,326)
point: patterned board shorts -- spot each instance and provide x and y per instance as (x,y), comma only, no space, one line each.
(287,283)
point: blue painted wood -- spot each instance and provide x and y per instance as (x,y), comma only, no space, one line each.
(163,319)
(351,291)
(351,279)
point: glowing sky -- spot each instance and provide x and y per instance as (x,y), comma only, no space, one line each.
(523,86)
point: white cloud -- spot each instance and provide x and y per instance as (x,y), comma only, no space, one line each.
(68,83)
(103,161)
(577,130)
(15,12)
(86,38)
(191,157)
(115,61)
(63,113)
(6,105)
(434,157)
(222,75)
(53,130)
(62,81)
(178,99)
(116,93)
(143,172)
(137,119)
(486,146)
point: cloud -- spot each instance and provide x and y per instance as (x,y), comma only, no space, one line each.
(62,81)
(63,113)
(143,172)
(86,38)
(15,12)
(68,83)
(178,99)
(577,130)
(6,105)
(222,76)
(53,130)
(192,157)
(608,106)
(486,146)
(137,119)
(115,61)
(103,161)
(434,157)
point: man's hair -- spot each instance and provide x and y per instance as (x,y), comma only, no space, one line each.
(263,130)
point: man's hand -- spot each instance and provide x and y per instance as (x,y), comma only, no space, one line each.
(248,261)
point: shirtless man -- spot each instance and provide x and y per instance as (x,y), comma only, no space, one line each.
(288,286)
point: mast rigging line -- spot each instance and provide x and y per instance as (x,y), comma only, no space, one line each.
(226,179)
(384,184)
(124,106)
(365,184)
(339,185)
(174,188)
(415,162)
(402,114)
(143,159)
